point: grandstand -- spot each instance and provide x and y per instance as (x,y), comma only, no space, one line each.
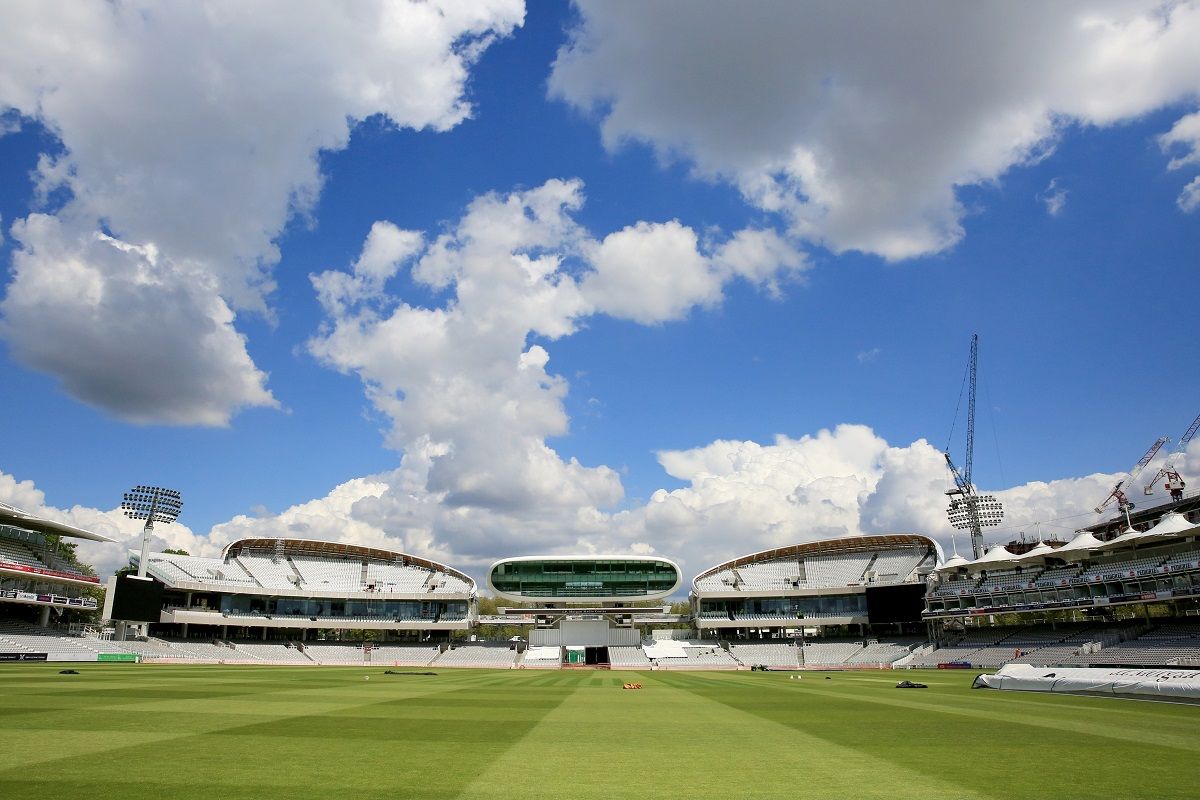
(290,589)
(839,604)
(816,584)
(34,574)
(1160,562)
(585,606)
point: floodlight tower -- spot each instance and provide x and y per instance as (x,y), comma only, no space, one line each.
(968,510)
(153,504)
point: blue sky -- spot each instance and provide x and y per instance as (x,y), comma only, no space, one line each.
(860,316)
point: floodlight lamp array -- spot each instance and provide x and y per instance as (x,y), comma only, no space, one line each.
(982,510)
(152,503)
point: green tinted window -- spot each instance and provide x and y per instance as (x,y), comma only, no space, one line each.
(566,579)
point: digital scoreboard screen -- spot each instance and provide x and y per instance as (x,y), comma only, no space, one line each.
(903,603)
(137,599)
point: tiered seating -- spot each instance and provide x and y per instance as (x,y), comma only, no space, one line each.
(277,652)
(830,651)
(17,552)
(404,655)
(22,637)
(772,655)
(196,569)
(543,657)
(769,574)
(623,656)
(1187,560)
(217,651)
(1174,643)
(153,648)
(269,573)
(1007,580)
(897,565)
(398,578)
(1122,567)
(486,656)
(815,571)
(1049,647)
(308,572)
(836,570)
(329,575)
(981,646)
(710,657)
(1055,577)
(883,652)
(335,653)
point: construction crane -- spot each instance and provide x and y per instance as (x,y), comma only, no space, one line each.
(1175,484)
(1118,492)
(968,510)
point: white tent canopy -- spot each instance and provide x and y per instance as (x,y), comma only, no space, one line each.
(1171,524)
(1127,535)
(953,562)
(1079,547)
(998,556)
(1040,551)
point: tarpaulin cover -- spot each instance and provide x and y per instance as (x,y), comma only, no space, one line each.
(1181,683)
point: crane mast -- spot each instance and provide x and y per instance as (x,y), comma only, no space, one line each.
(968,510)
(1175,483)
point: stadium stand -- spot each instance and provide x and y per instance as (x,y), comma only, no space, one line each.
(771,655)
(1159,561)
(1173,643)
(477,655)
(541,657)
(628,657)
(404,655)
(816,570)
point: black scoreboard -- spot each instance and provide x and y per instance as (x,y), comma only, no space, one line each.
(137,599)
(902,603)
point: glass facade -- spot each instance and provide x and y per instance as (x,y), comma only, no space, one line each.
(786,608)
(427,610)
(584,578)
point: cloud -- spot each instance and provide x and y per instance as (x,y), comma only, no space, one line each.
(1054,197)
(1189,198)
(1184,135)
(883,112)
(651,273)
(868,356)
(468,395)
(143,337)
(192,132)
(466,385)
(739,497)
(104,556)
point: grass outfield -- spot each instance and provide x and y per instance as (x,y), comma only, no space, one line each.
(223,732)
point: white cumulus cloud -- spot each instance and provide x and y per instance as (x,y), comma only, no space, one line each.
(859,122)
(192,131)
(105,557)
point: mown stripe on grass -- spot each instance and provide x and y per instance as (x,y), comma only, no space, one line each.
(358,747)
(664,742)
(1035,753)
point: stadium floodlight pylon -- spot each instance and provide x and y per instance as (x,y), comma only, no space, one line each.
(153,504)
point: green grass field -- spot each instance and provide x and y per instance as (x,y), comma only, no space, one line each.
(217,732)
